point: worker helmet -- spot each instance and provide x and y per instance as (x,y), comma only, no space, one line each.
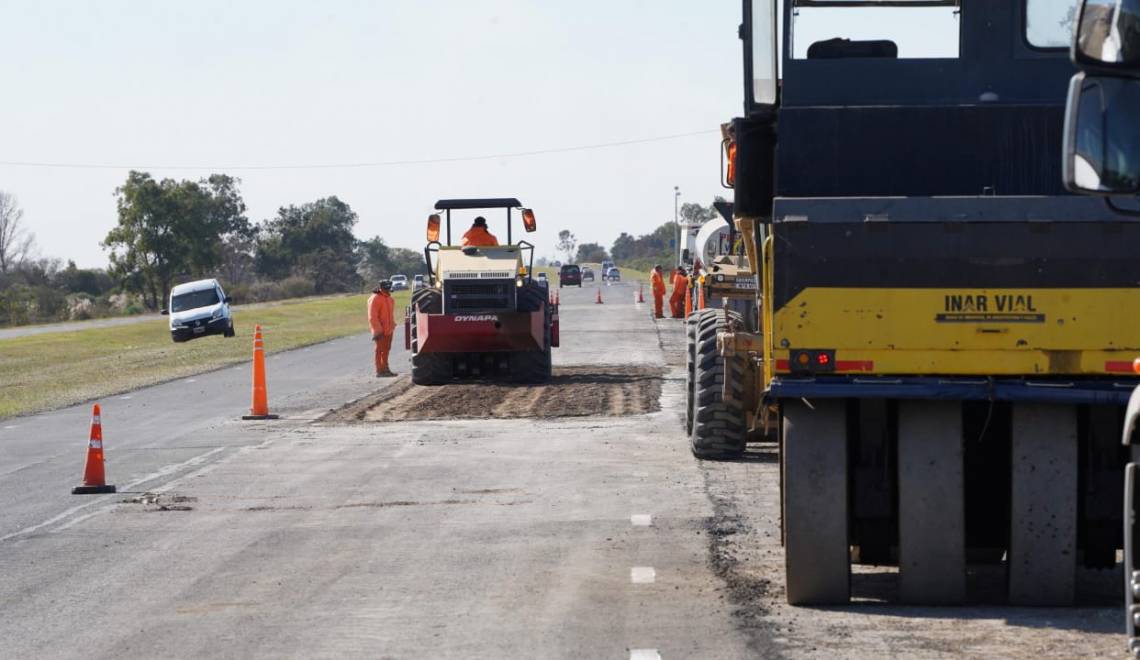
(480,221)
(386,285)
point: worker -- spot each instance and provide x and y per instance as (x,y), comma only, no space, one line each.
(657,286)
(382,322)
(680,289)
(479,236)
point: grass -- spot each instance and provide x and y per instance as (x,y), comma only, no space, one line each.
(53,370)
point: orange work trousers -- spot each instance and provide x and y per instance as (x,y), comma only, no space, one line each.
(677,306)
(383,347)
(659,305)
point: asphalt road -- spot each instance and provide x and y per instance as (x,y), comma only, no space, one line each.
(73,326)
(586,537)
(474,539)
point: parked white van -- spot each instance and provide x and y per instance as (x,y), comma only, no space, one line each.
(198,309)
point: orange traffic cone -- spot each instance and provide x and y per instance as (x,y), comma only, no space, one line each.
(701,299)
(599,299)
(260,407)
(557,297)
(688,302)
(641,293)
(94,479)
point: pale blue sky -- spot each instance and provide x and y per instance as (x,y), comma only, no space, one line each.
(280,82)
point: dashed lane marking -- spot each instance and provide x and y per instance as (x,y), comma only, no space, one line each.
(642,575)
(644,654)
(641,520)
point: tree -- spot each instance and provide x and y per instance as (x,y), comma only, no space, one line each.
(15,241)
(695,214)
(591,253)
(567,244)
(623,248)
(377,261)
(314,241)
(170,229)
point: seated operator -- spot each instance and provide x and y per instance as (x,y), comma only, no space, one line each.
(479,236)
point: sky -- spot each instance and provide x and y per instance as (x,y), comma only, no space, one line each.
(182,89)
(279,92)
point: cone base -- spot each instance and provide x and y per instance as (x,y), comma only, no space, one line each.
(92,490)
(248,417)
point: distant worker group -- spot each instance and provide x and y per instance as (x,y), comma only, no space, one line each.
(680,301)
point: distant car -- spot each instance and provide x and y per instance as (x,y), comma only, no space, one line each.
(399,282)
(606,266)
(198,309)
(542,280)
(555,264)
(418,282)
(570,275)
(587,274)
(613,275)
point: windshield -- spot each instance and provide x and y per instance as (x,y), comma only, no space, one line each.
(1049,23)
(892,31)
(194,300)
(569,269)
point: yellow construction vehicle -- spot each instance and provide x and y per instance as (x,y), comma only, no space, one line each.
(945,334)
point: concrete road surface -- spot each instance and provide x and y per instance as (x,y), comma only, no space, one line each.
(584,537)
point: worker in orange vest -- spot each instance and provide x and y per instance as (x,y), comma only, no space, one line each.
(657,285)
(382,322)
(479,236)
(680,289)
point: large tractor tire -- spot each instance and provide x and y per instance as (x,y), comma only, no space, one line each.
(691,324)
(533,366)
(718,425)
(428,368)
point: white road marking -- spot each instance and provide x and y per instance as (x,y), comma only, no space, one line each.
(169,469)
(190,380)
(641,520)
(10,427)
(641,475)
(126,397)
(642,575)
(644,654)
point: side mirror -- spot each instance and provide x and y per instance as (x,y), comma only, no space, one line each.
(529,223)
(1108,34)
(228,299)
(1102,136)
(433,228)
(163,311)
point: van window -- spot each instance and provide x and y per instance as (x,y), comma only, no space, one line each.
(900,32)
(194,300)
(569,269)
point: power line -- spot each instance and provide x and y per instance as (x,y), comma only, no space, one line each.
(383,163)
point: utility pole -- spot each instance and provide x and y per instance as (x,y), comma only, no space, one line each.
(677,220)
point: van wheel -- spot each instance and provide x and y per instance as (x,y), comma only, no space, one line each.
(229,331)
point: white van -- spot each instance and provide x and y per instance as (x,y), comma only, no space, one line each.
(198,309)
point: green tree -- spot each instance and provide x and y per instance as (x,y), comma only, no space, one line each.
(314,241)
(567,244)
(169,229)
(591,253)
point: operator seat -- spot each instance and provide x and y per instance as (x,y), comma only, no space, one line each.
(839,48)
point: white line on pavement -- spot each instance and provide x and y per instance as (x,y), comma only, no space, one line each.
(644,654)
(642,575)
(641,520)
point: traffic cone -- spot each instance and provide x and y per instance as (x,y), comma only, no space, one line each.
(599,299)
(688,302)
(94,479)
(557,297)
(260,407)
(641,293)
(701,299)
